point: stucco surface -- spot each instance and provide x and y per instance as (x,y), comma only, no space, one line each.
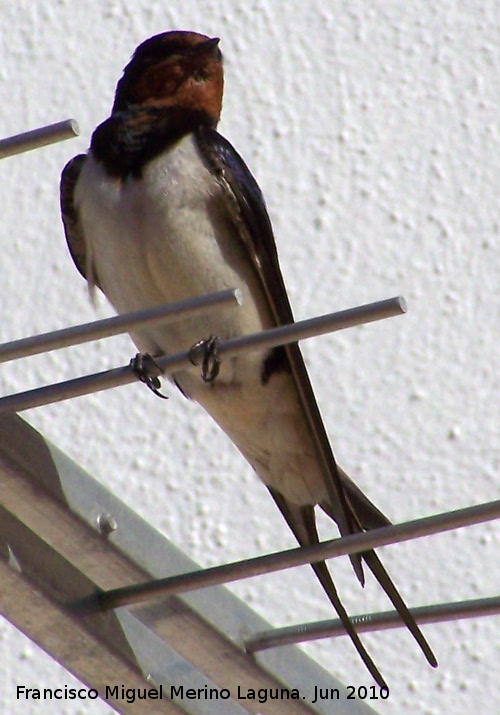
(373,131)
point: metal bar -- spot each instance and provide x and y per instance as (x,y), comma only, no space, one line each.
(100,666)
(98,329)
(259,565)
(313,327)
(36,138)
(367,622)
(174,363)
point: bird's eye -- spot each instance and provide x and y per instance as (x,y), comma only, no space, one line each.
(201,74)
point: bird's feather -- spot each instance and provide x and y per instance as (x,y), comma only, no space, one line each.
(347,504)
(71,221)
(205,174)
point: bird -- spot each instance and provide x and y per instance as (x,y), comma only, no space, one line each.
(162,208)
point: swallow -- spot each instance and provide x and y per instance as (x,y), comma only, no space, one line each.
(163,208)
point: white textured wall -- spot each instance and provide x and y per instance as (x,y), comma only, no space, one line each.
(373,130)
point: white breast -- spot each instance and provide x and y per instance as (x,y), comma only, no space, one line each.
(165,237)
(169,236)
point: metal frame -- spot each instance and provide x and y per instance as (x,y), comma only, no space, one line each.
(63,536)
(67,546)
(107,379)
(291,558)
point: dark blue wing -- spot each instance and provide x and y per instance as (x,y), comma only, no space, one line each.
(69,213)
(347,504)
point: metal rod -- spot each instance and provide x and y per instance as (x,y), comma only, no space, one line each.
(298,557)
(313,327)
(438,613)
(36,138)
(98,329)
(175,363)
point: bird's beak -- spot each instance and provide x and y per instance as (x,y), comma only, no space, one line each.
(209,47)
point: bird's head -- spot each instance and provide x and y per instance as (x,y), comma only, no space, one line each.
(174,69)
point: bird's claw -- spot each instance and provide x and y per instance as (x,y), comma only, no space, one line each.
(206,351)
(148,371)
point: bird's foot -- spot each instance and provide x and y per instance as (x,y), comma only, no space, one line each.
(148,371)
(206,352)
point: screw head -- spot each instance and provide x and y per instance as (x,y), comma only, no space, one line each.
(107,524)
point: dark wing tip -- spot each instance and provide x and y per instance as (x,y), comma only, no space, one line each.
(302,522)
(375,565)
